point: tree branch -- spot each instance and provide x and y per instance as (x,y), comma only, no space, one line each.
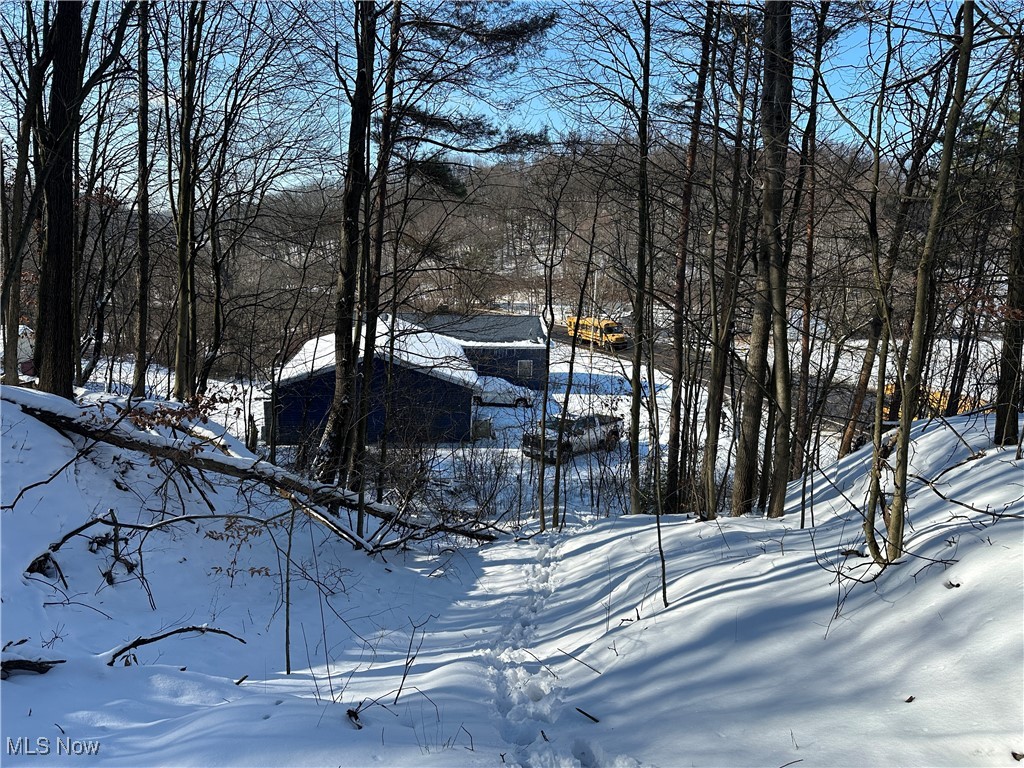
(141,641)
(308,495)
(39,666)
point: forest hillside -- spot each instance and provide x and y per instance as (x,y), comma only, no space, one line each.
(764,643)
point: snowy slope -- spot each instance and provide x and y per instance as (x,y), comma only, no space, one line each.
(769,651)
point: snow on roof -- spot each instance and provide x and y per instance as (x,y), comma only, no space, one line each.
(483,329)
(315,356)
(415,348)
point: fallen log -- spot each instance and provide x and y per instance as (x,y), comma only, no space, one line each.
(308,495)
(38,666)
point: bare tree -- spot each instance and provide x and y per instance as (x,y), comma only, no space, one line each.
(55,342)
(56,352)
(770,309)
(738,63)
(637,502)
(808,160)
(915,362)
(193,23)
(1011,364)
(331,455)
(142,208)
(33,55)
(673,498)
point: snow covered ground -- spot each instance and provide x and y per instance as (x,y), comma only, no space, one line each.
(777,645)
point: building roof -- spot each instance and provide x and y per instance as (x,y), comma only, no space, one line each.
(484,328)
(415,348)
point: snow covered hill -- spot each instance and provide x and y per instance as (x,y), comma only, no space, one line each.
(778,646)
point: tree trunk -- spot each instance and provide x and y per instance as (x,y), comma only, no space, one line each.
(20,218)
(56,347)
(744,489)
(802,427)
(679,308)
(636,495)
(142,319)
(967,332)
(184,348)
(376,258)
(775,121)
(1011,359)
(925,268)
(725,297)
(770,287)
(335,443)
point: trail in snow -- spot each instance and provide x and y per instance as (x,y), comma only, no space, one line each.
(526,694)
(527,669)
(770,652)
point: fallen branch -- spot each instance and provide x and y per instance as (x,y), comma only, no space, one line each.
(932,486)
(39,666)
(549,669)
(163,523)
(308,494)
(577,658)
(141,641)
(417,532)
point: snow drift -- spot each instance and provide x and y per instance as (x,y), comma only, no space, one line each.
(778,644)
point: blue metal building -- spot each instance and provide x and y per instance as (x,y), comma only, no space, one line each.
(511,347)
(426,398)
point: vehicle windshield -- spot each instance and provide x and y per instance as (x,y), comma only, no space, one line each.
(613,328)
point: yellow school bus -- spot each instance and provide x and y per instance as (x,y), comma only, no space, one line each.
(604,333)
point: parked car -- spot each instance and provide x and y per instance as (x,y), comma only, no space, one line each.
(493,390)
(580,434)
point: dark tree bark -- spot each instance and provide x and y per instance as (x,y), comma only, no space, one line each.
(911,393)
(802,427)
(776,101)
(335,443)
(18,220)
(724,290)
(142,318)
(375,255)
(37,666)
(185,332)
(744,489)
(640,340)
(770,287)
(56,347)
(679,308)
(1011,361)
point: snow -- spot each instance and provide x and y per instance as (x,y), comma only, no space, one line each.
(979,382)
(414,347)
(777,645)
(601,383)
(315,356)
